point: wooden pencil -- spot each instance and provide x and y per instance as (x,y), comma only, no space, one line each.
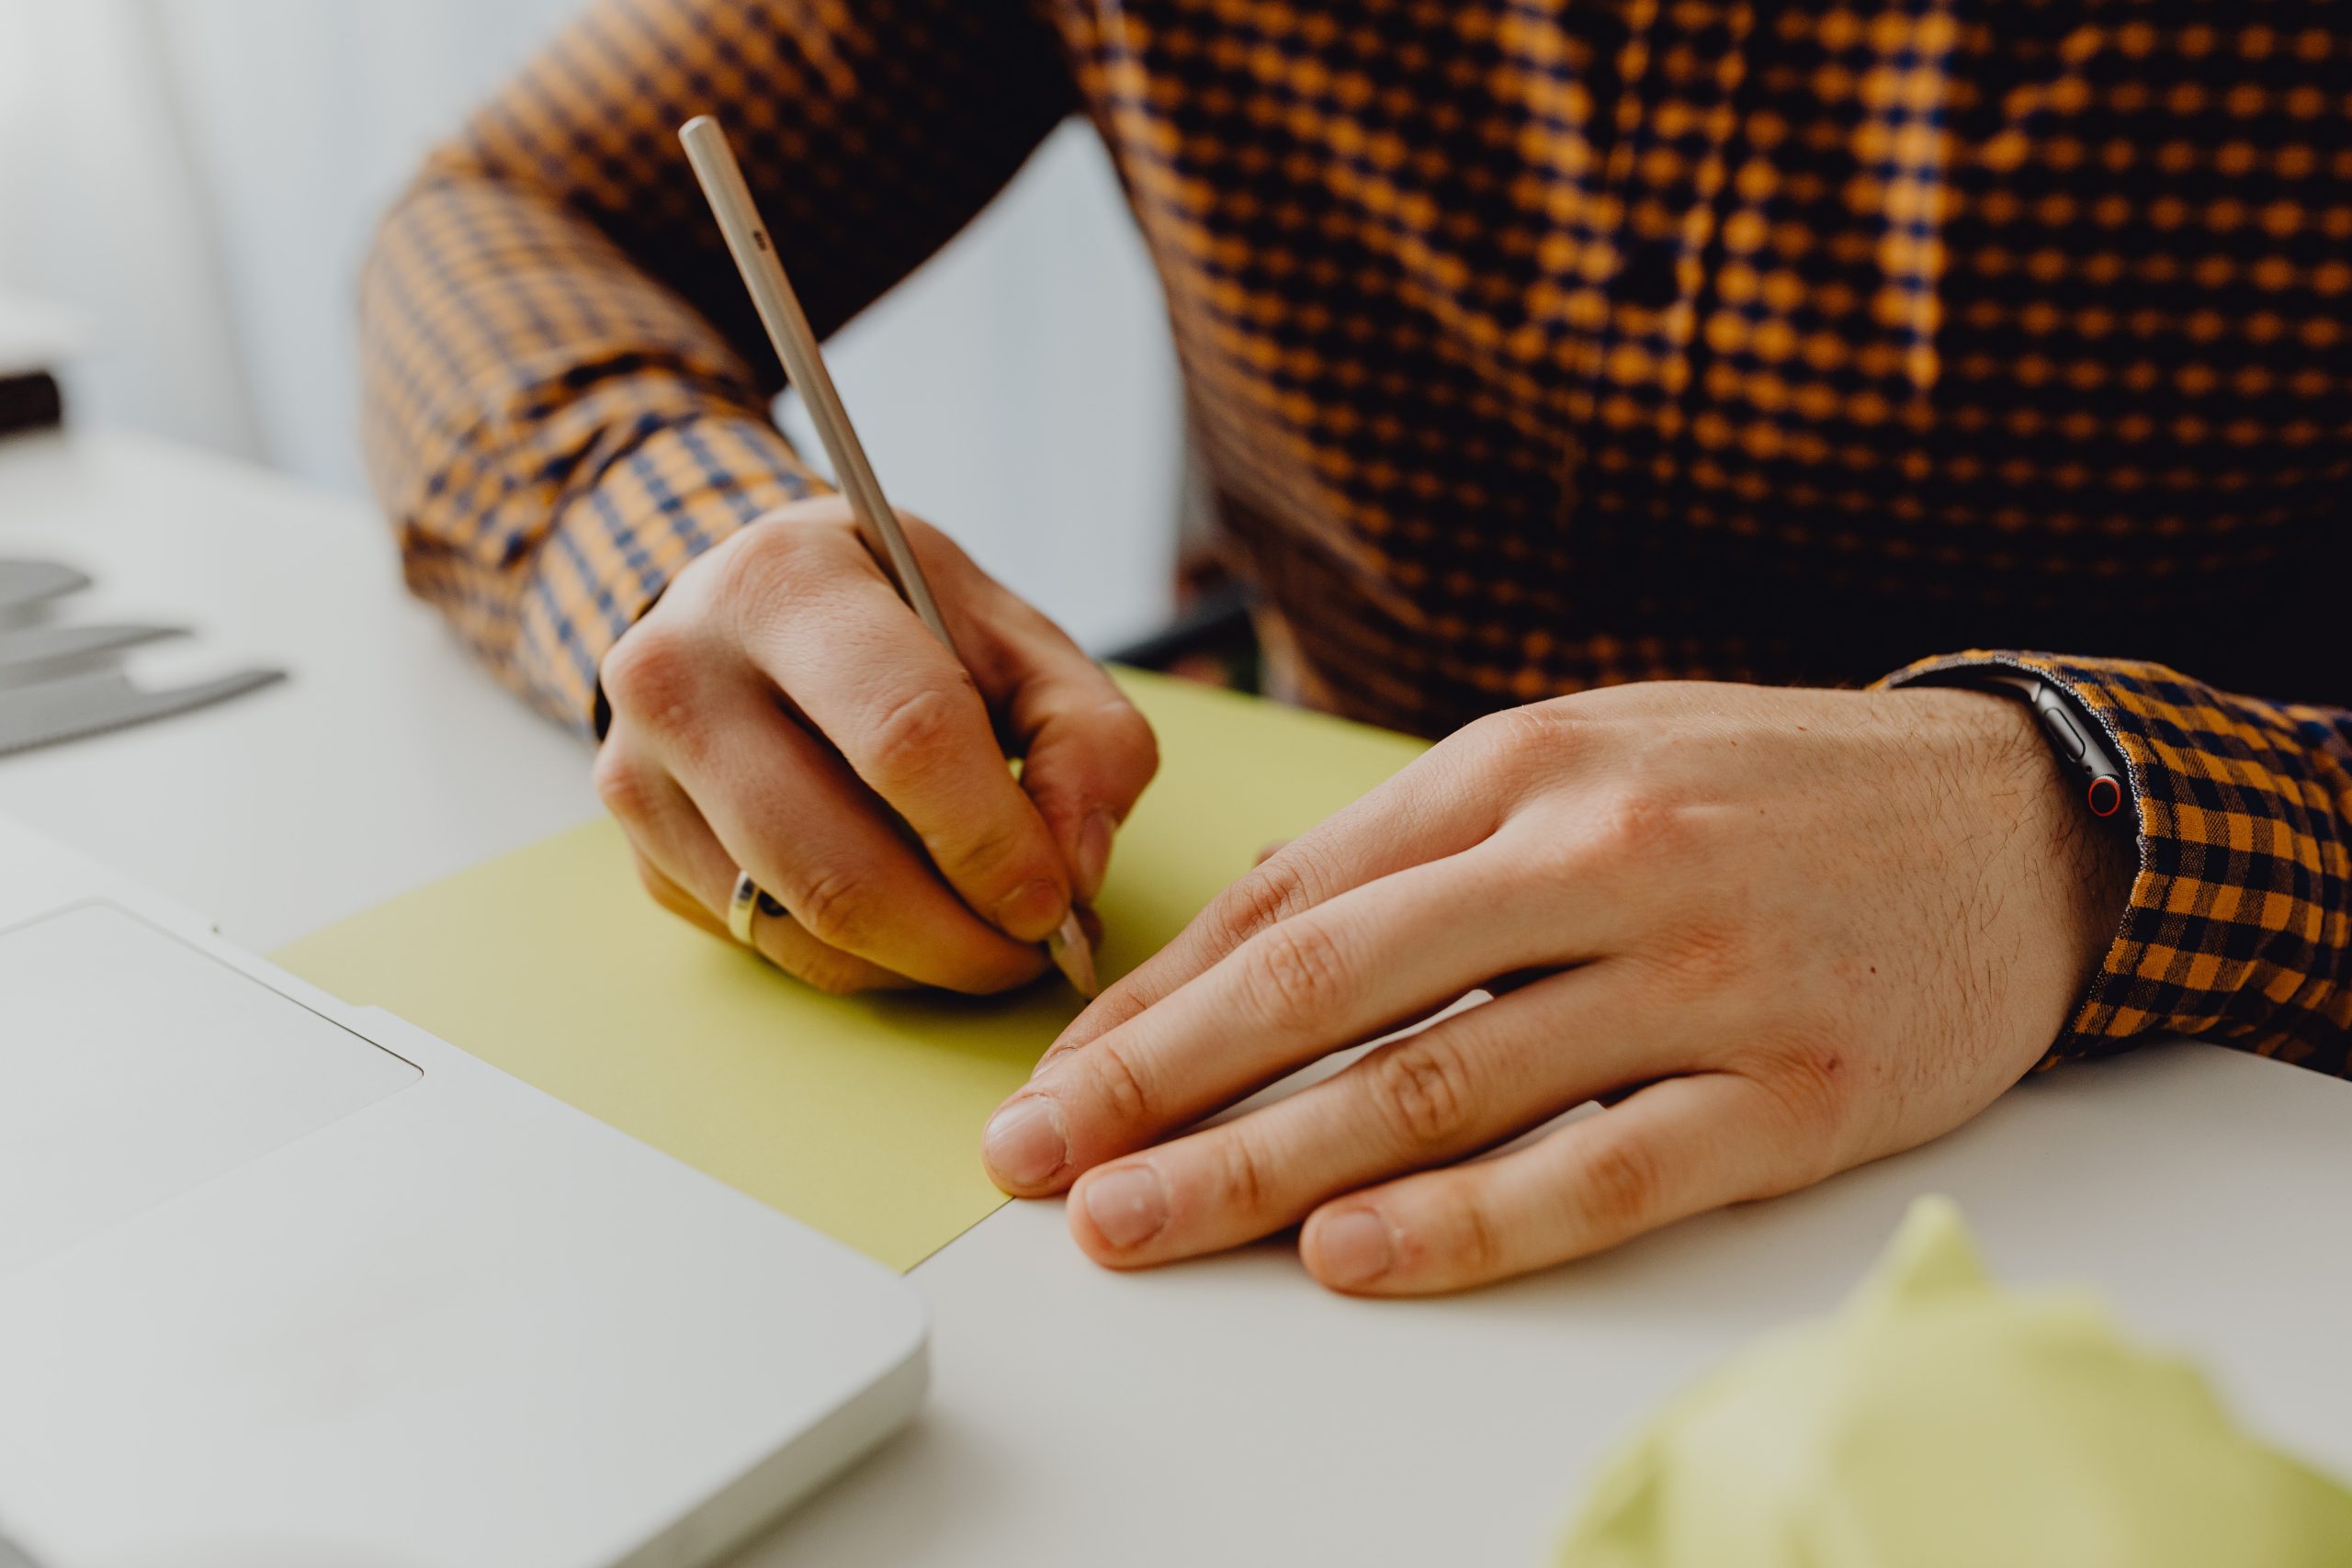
(795,344)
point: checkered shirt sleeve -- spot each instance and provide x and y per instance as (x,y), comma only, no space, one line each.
(566,392)
(2239,928)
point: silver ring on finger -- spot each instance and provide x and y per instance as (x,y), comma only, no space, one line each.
(745,905)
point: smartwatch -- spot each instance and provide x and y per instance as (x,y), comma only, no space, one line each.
(2082,747)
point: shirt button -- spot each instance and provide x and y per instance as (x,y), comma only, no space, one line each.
(1645,277)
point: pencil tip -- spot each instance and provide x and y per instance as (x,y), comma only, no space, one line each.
(1074,955)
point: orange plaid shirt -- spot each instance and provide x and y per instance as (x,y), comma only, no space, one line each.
(1533,345)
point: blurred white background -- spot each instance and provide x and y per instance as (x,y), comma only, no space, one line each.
(199,178)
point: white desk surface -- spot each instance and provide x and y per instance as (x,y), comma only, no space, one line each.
(1226,1411)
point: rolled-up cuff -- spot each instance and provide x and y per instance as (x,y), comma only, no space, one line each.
(2235,927)
(674,492)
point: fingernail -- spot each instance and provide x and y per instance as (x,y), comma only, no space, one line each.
(1031,910)
(1094,852)
(1128,1205)
(1024,1142)
(1354,1247)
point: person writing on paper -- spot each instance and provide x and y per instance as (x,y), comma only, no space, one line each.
(1665,405)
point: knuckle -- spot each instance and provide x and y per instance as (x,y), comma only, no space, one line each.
(650,674)
(1529,725)
(1244,1176)
(1296,974)
(1470,1241)
(760,565)
(1641,826)
(836,906)
(1119,1081)
(627,789)
(988,850)
(1423,1084)
(1268,895)
(1628,838)
(1808,1083)
(1700,954)
(1621,1182)
(912,735)
(1524,739)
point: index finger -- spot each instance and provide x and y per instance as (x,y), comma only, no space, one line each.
(1355,967)
(1425,812)
(870,678)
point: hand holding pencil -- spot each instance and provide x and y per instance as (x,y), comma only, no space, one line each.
(820,709)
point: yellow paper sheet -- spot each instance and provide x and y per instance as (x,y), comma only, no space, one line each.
(861,1117)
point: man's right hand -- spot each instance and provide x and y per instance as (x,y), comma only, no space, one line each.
(781,710)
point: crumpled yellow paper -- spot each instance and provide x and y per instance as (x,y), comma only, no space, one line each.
(1939,1421)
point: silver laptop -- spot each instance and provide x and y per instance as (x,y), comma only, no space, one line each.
(285,1282)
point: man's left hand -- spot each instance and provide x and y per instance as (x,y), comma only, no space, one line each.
(1795,930)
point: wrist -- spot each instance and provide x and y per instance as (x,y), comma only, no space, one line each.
(2032,799)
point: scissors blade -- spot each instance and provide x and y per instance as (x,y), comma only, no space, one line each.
(27,651)
(24,583)
(91,704)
